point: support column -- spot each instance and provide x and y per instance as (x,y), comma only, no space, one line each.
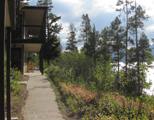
(41,60)
(8,73)
(2,44)
(22,59)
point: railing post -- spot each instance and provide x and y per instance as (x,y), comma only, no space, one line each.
(2,50)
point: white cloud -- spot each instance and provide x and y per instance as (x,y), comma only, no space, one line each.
(75,5)
(150,28)
(94,8)
(105,6)
(79,47)
(64,40)
(148,7)
(64,32)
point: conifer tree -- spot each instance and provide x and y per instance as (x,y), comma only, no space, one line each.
(144,56)
(105,45)
(46,3)
(126,8)
(51,49)
(86,28)
(144,49)
(136,23)
(91,46)
(71,39)
(117,34)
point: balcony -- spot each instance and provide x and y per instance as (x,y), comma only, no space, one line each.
(29,34)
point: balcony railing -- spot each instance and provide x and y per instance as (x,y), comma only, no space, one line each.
(29,32)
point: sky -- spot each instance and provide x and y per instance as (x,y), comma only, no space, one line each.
(101,13)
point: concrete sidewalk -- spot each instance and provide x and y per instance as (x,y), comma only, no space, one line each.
(41,101)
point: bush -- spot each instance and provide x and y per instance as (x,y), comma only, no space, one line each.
(80,70)
(18,92)
(88,89)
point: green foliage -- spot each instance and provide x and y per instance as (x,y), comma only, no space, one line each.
(104,76)
(47,3)
(105,44)
(86,80)
(144,49)
(89,90)
(86,29)
(136,20)
(98,105)
(71,42)
(51,49)
(15,74)
(79,69)
(16,87)
(91,46)
(34,59)
(116,35)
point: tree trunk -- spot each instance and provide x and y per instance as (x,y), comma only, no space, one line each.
(138,72)
(48,62)
(126,36)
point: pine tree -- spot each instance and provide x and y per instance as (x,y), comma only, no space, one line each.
(46,3)
(86,28)
(71,39)
(135,23)
(144,55)
(126,8)
(117,34)
(51,49)
(91,46)
(144,48)
(105,45)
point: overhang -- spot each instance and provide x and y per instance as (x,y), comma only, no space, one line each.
(34,48)
(34,15)
(10,19)
(7,15)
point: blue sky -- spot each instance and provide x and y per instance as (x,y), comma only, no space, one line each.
(101,13)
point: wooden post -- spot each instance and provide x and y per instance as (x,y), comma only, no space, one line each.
(8,73)
(2,44)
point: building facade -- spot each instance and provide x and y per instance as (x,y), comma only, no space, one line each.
(22,31)
(28,37)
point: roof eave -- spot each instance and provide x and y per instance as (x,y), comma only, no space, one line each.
(11,4)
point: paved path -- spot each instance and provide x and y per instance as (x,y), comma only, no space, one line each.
(41,101)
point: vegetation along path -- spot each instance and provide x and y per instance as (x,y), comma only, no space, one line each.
(41,102)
